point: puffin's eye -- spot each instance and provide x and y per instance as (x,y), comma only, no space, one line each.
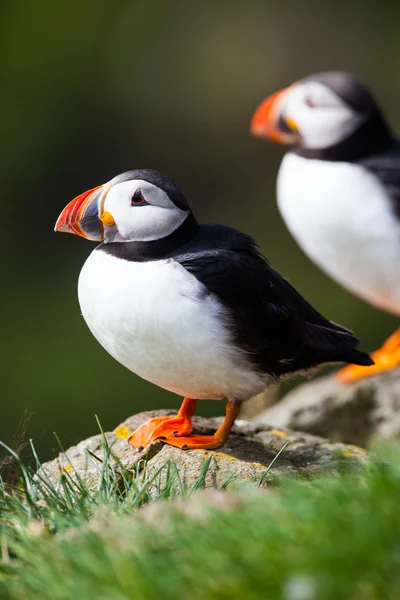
(138,198)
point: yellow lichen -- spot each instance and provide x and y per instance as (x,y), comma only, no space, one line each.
(223,456)
(220,455)
(257,466)
(68,468)
(122,432)
(349,453)
(277,432)
(358,448)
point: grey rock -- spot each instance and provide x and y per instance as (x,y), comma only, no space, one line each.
(249,451)
(355,413)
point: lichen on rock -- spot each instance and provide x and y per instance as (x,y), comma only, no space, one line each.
(249,451)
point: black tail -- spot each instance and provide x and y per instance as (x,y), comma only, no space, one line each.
(356,357)
(333,343)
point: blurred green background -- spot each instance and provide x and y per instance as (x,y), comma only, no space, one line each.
(91,89)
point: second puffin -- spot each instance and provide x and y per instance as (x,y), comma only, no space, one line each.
(193,308)
(338,190)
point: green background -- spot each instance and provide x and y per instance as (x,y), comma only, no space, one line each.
(91,89)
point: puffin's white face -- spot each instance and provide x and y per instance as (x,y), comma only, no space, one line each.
(317,115)
(137,206)
(317,112)
(141,212)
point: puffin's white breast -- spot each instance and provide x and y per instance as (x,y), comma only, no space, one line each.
(160,322)
(342,217)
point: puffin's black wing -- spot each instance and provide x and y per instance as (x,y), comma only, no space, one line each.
(386,166)
(279,330)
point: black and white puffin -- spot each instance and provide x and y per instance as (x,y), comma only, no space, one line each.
(339,189)
(195,309)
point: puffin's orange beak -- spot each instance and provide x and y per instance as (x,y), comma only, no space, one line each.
(82,216)
(268,123)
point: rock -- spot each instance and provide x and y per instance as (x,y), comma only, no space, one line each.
(354,413)
(249,451)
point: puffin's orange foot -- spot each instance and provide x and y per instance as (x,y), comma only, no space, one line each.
(176,431)
(386,358)
(160,427)
(192,442)
(207,442)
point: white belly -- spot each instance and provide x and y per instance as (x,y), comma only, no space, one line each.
(156,319)
(343,219)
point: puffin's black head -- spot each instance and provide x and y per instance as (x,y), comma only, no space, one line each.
(316,112)
(140,206)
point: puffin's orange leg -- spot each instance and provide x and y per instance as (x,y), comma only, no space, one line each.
(387,357)
(165,426)
(208,442)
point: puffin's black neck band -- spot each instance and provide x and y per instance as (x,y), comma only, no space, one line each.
(155,249)
(372,137)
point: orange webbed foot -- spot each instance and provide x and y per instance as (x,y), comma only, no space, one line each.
(387,357)
(195,442)
(163,427)
(159,428)
(176,431)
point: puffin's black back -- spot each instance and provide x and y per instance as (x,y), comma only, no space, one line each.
(386,166)
(278,329)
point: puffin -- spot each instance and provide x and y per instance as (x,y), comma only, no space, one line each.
(195,309)
(338,190)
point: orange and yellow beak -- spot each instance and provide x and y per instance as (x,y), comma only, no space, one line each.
(84,215)
(268,121)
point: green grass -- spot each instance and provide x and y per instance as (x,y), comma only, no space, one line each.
(332,539)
